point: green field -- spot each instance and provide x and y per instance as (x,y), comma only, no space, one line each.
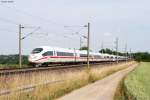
(136,85)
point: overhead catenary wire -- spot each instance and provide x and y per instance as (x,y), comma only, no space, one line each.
(34,16)
(7,30)
(47,33)
(30,33)
(56,34)
(16,23)
(8,21)
(13,22)
(66,34)
(78,32)
(23,12)
(43,19)
(74,26)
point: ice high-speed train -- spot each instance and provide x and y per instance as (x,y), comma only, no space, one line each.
(45,55)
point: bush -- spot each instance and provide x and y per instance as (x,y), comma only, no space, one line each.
(12,59)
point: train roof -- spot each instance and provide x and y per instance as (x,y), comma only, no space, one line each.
(57,48)
(72,50)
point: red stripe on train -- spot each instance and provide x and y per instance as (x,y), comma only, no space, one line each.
(61,57)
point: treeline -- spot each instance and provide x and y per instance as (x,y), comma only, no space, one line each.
(12,59)
(142,56)
(109,51)
(139,56)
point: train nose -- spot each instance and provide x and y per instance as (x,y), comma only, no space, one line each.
(32,57)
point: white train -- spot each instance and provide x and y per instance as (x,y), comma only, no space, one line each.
(45,55)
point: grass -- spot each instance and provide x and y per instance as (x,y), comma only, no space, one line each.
(119,94)
(72,80)
(136,86)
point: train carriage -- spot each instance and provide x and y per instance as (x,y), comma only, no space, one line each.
(45,55)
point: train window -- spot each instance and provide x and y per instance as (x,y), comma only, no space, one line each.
(105,57)
(64,54)
(37,50)
(97,56)
(48,53)
(83,55)
(69,54)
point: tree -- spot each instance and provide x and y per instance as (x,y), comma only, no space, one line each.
(141,56)
(84,48)
(107,50)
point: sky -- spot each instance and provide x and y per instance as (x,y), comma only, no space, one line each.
(59,23)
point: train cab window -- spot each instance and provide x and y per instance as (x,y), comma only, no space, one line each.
(64,54)
(37,50)
(48,53)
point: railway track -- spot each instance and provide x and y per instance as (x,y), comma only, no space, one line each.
(39,69)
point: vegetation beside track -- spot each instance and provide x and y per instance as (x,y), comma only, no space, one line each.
(71,81)
(11,61)
(11,66)
(136,85)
